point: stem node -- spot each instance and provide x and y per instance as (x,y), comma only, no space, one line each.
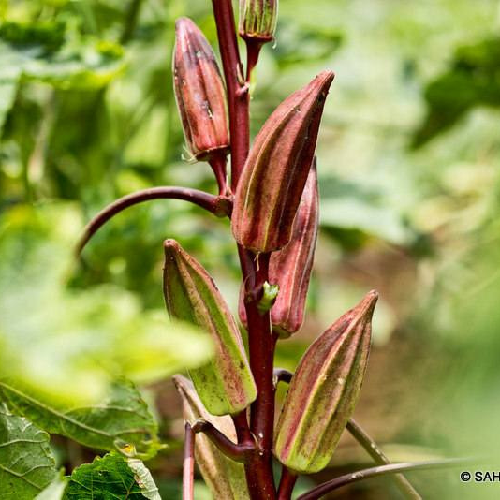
(242,453)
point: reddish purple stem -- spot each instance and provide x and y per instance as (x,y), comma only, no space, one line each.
(238,101)
(261,343)
(217,205)
(242,430)
(237,452)
(218,162)
(253,50)
(287,483)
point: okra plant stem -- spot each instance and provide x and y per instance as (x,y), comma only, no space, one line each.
(242,429)
(238,99)
(287,483)
(255,271)
(218,162)
(261,343)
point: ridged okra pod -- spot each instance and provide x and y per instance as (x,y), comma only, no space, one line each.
(199,91)
(274,175)
(226,384)
(324,391)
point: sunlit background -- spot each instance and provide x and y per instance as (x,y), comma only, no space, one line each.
(408,164)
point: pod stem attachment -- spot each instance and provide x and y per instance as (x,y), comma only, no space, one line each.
(218,161)
(238,452)
(242,430)
(253,51)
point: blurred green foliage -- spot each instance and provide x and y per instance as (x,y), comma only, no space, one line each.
(472,81)
(87,114)
(74,342)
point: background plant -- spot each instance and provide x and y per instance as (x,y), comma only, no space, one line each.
(419,226)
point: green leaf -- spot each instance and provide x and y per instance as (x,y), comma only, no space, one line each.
(299,44)
(111,477)
(68,345)
(93,65)
(470,81)
(123,416)
(40,37)
(26,462)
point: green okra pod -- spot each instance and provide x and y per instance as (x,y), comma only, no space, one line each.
(226,384)
(324,391)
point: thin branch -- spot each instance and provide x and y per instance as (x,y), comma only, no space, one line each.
(237,452)
(378,471)
(380,458)
(188,481)
(287,483)
(217,205)
(237,92)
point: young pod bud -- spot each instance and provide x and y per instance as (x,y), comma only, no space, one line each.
(290,268)
(199,91)
(324,390)
(274,175)
(226,384)
(258,19)
(224,477)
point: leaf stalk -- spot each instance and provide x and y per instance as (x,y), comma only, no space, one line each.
(218,205)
